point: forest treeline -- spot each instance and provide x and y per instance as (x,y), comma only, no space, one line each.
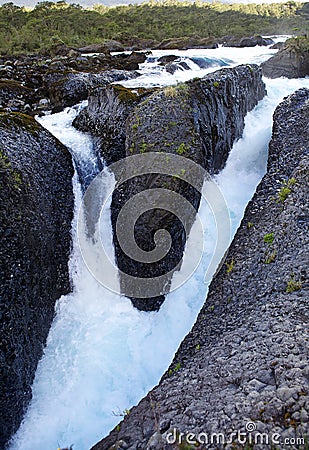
(30,30)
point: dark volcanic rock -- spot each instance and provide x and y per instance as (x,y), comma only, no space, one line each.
(14,95)
(176,65)
(36,203)
(277,46)
(198,120)
(130,62)
(63,77)
(70,89)
(291,62)
(61,50)
(163,60)
(252,41)
(105,117)
(246,358)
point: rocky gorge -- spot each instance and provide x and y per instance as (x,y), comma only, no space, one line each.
(197,120)
(246,359)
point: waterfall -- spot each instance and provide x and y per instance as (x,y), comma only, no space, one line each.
(102,355)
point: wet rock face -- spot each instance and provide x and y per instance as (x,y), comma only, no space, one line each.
(105,117)
(199,121)
(220,102)
(288,62)
(246,358)
(36,203)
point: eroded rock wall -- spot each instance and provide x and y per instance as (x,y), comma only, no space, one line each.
(36,210)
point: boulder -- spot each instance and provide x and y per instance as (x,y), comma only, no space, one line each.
(36,203)
(60,50)
(252,41)
(129,62)
(163,60)
(176,65)
(292,61)
(277,46)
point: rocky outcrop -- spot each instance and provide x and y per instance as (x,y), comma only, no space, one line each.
(33,84)
(198,120)
(63,91)
(132,61)
(277,46)
(36,210)
(14,95)
(292,61)
(244,366)
(252,41)
(105,117)
(187,42)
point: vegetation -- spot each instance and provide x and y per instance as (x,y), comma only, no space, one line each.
(170,91)
(182,149)
(300,44)
(285,190)
(5,164)
(293,285)
(125,94)
(270,257)
(175,369)
(25,31)
(230,266)
(269,238)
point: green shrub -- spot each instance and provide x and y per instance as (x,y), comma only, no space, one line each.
(269,238)
(230,266)
(293,285)
(182,149)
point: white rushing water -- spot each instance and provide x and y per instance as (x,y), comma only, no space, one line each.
(153,74)
(102,355)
